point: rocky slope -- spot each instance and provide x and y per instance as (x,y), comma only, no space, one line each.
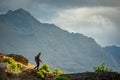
(28,73)
(94,76)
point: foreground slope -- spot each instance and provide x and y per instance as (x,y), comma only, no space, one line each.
(27,71)
(21,33)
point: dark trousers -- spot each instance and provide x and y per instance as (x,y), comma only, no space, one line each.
(37,63)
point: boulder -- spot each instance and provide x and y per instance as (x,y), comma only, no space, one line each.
(1,57)
(19,58)
(3,74)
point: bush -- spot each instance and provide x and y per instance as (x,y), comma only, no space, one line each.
(102,68)
(45,71)
(40,75)
(8,60)
(45,68)
(58,71)
(62,78)
(16,67)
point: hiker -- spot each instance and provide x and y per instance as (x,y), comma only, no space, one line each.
(38,60)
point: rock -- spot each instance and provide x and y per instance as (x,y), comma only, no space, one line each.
(1,57)
(49,76)
(12,76)
(93,76)
(19,58)
(29,74)
(3,74)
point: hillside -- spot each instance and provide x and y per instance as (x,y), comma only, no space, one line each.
(21,33)
(12,68)
(114,51)
(27,71)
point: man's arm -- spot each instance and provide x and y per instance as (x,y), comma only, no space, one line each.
(40,60)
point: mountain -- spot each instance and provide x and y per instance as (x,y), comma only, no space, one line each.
(114,51)
(21,33)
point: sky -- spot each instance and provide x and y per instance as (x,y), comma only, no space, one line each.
(99,19)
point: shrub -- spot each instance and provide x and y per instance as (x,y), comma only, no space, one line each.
(45,68)
(16,67)
(8,60)
(19,67)
(62,78)
(40,75)
(58,71)
(102,68)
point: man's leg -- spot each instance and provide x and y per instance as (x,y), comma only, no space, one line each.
(35,66)
(38,63)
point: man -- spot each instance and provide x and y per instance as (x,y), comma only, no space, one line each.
(38,60)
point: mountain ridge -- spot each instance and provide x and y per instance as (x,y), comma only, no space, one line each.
(59,48)
(114,51)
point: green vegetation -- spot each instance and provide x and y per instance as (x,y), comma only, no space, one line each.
(15,66)
(62,78)
(57,71)
(40,74)
(45,68)
(102,68)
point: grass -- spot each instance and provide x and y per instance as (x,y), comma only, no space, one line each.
(14,66)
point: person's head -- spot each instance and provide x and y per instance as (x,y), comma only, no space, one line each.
(39,54)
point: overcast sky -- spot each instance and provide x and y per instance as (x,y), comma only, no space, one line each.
(99,19)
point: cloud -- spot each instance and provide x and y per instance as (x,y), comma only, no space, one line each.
(12,4)
(79,3)
(53,6)
(46,9)
(95,18)
(96,22)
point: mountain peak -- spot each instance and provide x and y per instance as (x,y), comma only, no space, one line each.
(22,11)
(18,11)
(19,17)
